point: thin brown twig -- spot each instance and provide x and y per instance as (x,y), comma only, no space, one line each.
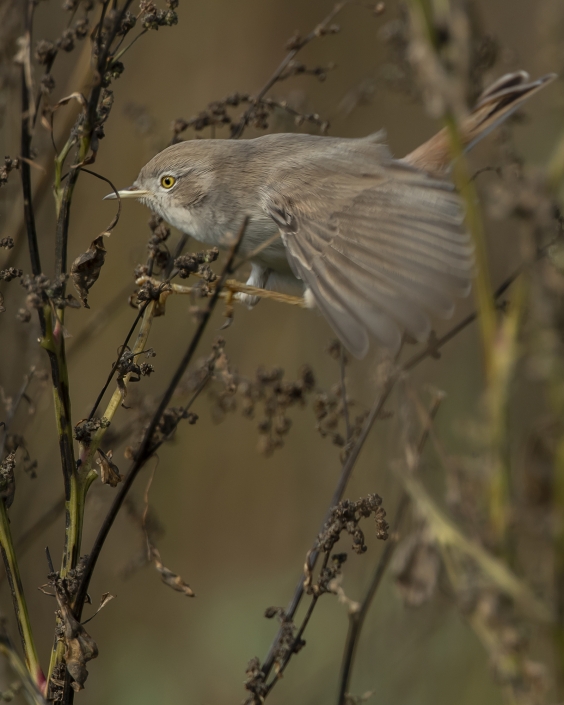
(299,635)
(357,618)
(318,31)
(148,447)
(430,351)
(13,409)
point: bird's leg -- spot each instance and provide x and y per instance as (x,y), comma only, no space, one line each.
(259,277)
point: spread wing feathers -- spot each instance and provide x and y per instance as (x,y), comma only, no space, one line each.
(380,247)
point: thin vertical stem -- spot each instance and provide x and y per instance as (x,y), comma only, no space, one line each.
(25,147)
(18,597)
(482,281)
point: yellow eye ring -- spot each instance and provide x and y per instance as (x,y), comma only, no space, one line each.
(168,181)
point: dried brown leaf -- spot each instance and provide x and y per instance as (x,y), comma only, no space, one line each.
(168,577)
(109,471)
(85,270)
(80,647)
(106,597)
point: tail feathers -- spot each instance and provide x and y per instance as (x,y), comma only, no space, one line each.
(495,105)
(498,102)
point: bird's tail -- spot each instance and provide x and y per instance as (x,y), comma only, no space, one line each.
(495,104)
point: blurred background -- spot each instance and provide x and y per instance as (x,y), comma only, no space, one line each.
(237,525)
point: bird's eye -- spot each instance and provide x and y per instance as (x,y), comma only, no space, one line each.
(168,181)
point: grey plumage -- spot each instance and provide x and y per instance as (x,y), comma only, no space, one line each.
(380,244)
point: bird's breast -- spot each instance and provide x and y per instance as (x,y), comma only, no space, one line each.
(204,225)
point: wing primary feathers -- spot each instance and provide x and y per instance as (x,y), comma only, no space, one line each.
(380,244)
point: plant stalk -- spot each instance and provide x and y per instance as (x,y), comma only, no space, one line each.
(18,597)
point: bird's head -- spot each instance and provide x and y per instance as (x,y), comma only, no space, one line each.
(175,180)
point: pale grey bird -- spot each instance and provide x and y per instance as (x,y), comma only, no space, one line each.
(377,243)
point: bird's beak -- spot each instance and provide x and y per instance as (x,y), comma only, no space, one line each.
(129,192)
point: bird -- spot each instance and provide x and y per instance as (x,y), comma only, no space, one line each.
(377,244)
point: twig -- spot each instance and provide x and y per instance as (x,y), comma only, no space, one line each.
(29,215)
(98,322)
(14,407)
(318,31)
(147,448)
(164,285)
(63,216)
(346,472)
(357,618)
(299,634)
(122,347)
(229,287)
(18,598)
(16,222)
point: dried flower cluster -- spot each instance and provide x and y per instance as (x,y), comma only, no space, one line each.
(40,289)
(218,114)
(7,482)
(289,642)
(197,263)
(84,429)
(9,165)
(268,392)
(127,366)
(346,516)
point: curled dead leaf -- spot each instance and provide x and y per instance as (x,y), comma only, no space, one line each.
(80,647)
(106,597)
(85,270)
(109,471)
(168,577)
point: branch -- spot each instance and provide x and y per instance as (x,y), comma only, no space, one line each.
(320,30)
(13,409)
(230,286)
(63,215)
(18,598)
(25,169)
(430,351)
(357,618)
(147,447)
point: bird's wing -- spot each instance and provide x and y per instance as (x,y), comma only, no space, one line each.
(380,244)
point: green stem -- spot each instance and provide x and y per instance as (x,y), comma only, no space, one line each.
(20,605)
(59,162)
(504,357)
(53,343)
(88,452)
(482,282)
(76,484)
(81,480)
(74,506)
